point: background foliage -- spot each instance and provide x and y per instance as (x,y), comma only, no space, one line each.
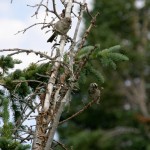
(118,122)
(121,121)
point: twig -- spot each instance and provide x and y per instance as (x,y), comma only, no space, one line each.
(36,13)
(84,61)
(54,8)
(93,21)
(26,138)
(79,112)
(79,21)
(41,75)
(46,6)
(21,122)
(40,60)
(24,30)
(62,145)
(74,39)
(77,2)
(46,11)
(49,24)
(88,10)
(21,81)
(27,51)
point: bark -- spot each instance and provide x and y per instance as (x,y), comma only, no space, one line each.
(56,120)
(48,117)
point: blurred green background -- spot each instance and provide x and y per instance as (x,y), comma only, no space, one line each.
(122,120)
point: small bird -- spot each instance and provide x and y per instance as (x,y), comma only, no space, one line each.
(94,92)
(61,27)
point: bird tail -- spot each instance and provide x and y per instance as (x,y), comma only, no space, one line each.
(52,37)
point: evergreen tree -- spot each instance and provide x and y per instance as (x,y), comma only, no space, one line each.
(121,121)
(74,75)
(6,131)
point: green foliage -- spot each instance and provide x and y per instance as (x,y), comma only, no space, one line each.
(5,114)
(6,129)
(98,59)
(101,139)
(23,89)
(110,56)
(96,73)
(125,141)
(31,73)
(19,86)
(7,62)
(87,137)
(92,128)
(7,144)
(17,74)
(83,52)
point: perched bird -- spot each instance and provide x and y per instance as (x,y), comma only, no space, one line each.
(94,92)
(60,28)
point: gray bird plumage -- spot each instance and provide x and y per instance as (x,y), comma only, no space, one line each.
(60,28)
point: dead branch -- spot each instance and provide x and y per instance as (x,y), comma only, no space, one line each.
(26,116)
(88,10)
(36,12)
(17,51)
(71,53)
(62,145)
(79,112)
(58,87)
(54,8)
(22,81)
(83,63)
(93,22)
(24,30)
(56,120)
(39,5)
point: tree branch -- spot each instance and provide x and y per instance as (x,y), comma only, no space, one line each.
(79,112)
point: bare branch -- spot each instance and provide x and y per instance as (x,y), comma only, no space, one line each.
(93,21)
(77,2)
(57,90)
(56,121)
(88,10)
(54,8)
(83,63)
(24,30)
(36,13)
(62,145)
(79,112)
(21,122)
(21,81)
(26,51)
(74,39)
(46,6)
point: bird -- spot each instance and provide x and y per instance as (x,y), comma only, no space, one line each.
(61,27)
(94,92)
